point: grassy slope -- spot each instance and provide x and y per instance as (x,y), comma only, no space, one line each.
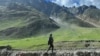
(63,34)
(10,23)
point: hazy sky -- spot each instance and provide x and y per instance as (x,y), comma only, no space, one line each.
(70,3)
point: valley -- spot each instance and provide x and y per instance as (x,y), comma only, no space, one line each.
(26,25)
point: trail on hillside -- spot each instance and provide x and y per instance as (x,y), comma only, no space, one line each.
(91,23)
(59,21)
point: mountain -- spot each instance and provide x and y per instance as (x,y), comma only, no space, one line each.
(22,21)
(91,15)
(24,18)
(41,5)
(78,10)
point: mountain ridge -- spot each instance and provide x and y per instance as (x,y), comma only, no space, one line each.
(22,18)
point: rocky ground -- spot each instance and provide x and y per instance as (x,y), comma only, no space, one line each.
(78,52)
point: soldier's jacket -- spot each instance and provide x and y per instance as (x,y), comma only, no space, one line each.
(50,41)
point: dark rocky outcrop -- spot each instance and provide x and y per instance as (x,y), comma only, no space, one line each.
(6,47)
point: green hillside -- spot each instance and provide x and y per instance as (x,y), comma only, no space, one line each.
(64,34)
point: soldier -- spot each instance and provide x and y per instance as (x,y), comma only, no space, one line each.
(50,43)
